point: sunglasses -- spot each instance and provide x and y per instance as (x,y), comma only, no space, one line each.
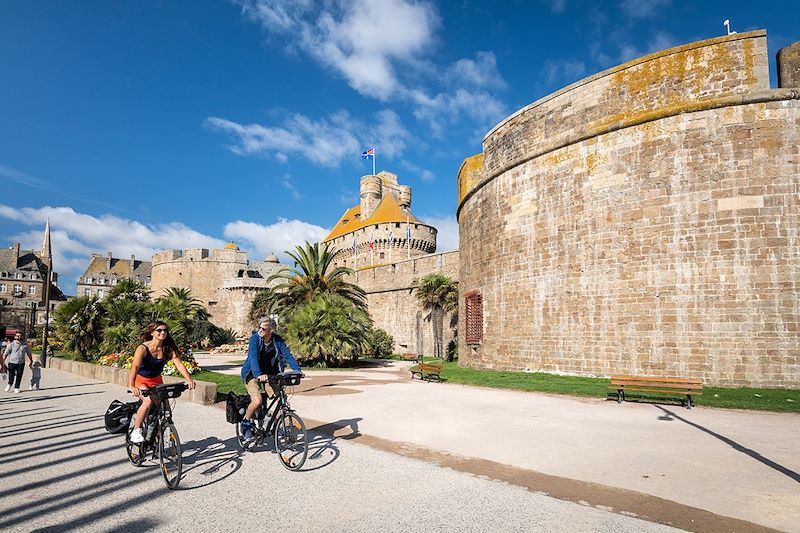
(261,328)
(161,330)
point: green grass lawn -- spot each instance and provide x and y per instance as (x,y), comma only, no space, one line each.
(732,398)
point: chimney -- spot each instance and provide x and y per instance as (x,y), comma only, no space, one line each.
(15,253)
(133,262)
(108,262)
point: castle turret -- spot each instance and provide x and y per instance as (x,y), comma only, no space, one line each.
(371,194)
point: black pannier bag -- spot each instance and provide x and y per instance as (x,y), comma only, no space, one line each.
(118,416)
(235,406)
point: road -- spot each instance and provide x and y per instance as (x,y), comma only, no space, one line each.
(61,471)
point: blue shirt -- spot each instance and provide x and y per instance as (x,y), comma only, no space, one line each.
(282,356)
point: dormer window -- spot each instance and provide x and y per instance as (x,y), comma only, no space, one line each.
(19,275)
(102,281)
(89,280)
(33,275)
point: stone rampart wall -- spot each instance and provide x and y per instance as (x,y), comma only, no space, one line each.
(611,233)
(393,303)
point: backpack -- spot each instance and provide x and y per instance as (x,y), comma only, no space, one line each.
(118,416)
(235,406)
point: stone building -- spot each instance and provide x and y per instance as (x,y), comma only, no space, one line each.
(391,250)
(644,220)
(381,229)
(223,280)
(103,273)
(23,274)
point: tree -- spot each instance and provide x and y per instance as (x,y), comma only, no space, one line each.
(329,329)
(262,304)
(312,276)
(128,289)
(79,325)
(182,312)
(435,291)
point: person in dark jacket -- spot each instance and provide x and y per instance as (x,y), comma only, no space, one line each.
(267,356)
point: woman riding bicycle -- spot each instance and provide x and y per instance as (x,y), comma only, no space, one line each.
(267,355)
(147,366)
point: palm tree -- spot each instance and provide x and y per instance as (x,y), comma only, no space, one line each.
(310,277)
(181,311)
(329,329)
(434,292)
(79,324)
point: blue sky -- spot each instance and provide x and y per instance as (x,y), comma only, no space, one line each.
(155,124)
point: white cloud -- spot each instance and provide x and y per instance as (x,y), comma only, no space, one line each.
(566,71)
(557,6)
(423,173)
(74,236)
(660,41)
(327,141)
(362,40)
(381,47)
(275,238)
(21,177)
(642,8)
(447,226)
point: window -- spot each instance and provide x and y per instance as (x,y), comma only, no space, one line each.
(102,281)
(32,290)
(3,287)
(18,275)
(89,280)
(113,281)
(474,319)
(100,293)
(87,292)
(396,224)
(382,255)
(33,275)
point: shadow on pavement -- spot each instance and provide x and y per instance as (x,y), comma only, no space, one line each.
(204,459)
(668,415)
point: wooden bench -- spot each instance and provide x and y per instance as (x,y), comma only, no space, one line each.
(683,387)
(409,356)
(427,371)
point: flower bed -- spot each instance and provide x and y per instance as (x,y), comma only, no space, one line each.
(122,360)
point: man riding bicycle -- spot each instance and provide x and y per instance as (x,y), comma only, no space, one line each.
(267,356)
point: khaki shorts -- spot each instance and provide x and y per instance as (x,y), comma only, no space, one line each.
(255,387)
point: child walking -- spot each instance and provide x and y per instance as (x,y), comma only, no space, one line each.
(36,378)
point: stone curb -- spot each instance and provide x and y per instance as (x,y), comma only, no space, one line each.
(205,393)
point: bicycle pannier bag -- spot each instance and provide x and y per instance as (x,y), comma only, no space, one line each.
(235,406)
(118,416)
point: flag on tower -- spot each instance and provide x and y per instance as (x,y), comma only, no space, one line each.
(369,153)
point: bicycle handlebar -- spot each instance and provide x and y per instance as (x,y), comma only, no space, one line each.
(165,390)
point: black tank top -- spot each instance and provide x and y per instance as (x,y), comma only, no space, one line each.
(151,367)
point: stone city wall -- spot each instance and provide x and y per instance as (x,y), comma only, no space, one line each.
(643,221)
(393,303)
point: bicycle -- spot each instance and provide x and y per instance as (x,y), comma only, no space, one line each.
(161,437)
(284,425)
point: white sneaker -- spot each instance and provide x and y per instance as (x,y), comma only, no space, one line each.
(16,390)
(30,387)
(136,436)
(8,388)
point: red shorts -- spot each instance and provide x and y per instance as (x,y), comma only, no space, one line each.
(149,383)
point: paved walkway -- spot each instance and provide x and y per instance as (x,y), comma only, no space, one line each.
(60,471)
(725,469)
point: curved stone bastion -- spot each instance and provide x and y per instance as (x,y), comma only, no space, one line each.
(642,221)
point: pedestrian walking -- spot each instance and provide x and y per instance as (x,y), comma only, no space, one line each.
(14,358)
(36,374)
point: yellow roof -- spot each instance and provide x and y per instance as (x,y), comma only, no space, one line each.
(387,211)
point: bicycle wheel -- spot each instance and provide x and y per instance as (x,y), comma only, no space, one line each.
(135,455)
(169,446)
(291,441)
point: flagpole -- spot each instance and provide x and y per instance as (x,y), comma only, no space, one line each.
(373,161)
(408,240)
